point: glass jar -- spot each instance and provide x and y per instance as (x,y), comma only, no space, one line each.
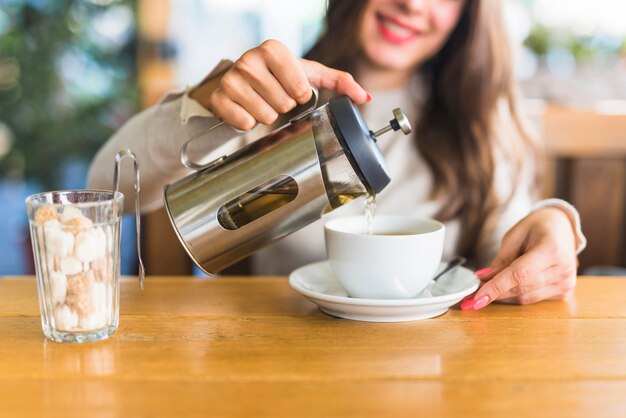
(76,244)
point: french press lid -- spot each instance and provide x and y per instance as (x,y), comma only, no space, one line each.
(359,142)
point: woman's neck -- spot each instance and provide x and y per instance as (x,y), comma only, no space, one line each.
(376,78)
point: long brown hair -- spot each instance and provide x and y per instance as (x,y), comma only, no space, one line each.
(467,80)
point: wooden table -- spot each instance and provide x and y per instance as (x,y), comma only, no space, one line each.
(253,347)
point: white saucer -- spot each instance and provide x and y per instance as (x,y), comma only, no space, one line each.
(318,284)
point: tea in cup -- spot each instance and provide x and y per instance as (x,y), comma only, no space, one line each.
(396,261)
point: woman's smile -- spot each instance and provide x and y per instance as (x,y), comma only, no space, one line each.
(395,31)
(399,35)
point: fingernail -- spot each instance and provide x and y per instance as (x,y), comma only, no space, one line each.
(483,272)
(369,97)
(467,304)
(481,302)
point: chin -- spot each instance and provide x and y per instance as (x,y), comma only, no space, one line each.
(390,59)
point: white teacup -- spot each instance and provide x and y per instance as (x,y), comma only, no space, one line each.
(396,261)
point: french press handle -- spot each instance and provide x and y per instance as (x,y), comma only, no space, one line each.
(300,111)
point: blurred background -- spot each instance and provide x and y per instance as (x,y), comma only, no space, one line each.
(73,71)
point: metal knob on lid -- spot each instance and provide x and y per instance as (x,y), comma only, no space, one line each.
(359,142)
(399,121)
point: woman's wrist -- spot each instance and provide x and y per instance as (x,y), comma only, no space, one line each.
(202,92)
(571,213)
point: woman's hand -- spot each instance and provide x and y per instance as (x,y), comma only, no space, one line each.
(537,261)
(268,80)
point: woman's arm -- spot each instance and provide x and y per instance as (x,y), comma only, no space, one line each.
(264,82)
(531,252)
(532,257)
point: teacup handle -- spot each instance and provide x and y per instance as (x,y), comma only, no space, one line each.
(116,186)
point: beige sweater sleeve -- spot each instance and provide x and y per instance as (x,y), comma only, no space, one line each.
(156,136)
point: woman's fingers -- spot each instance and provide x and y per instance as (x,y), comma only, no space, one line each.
(340,81)
(557,282)
(287,69)
(555,291)
(249,92)
(230,112)
(268,80)
(512,246)
(239,91)
(523,273)
(254,71)
(272,92)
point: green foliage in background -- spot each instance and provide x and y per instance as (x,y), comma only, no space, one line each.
(584,49)
(538,40)
(67,81)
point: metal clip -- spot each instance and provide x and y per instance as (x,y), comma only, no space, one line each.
(116,186)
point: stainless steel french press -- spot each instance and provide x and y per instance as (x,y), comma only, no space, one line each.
(321,159)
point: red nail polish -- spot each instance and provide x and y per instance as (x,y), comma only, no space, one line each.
(467,304)
(369,97)
(483,272)
(481,302)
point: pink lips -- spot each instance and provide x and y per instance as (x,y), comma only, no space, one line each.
(402,33)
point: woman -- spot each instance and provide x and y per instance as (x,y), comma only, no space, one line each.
(469,164)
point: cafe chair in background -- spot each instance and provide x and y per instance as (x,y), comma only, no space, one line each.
(587,167)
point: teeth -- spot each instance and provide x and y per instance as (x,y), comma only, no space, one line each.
(397,29)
